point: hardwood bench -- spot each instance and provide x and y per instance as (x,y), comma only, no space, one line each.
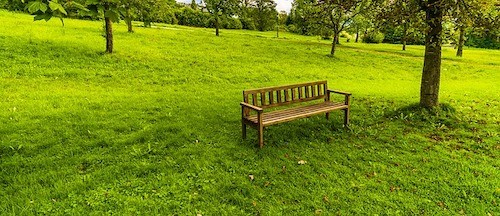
(259,100)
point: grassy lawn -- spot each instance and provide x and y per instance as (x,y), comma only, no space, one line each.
(155,127)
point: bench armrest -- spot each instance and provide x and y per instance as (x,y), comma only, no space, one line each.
(347,95)
(339,92)
(252,107)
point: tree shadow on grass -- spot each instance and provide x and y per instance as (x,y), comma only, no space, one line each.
(418,116)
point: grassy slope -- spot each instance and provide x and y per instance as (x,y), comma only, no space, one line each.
(155,127)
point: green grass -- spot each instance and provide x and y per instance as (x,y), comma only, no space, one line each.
(155,127)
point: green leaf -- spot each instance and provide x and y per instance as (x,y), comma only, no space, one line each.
(37,6)
(44,16)
(57,7)
(75,5)
(92,2)
(113,15)
(39,17)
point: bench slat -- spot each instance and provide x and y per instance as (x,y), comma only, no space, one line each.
(294,111)
(262,99)
(279,96)
(284,95)
(271,98)
(253,91)
(297,112)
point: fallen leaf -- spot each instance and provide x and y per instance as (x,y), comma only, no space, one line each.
(302,162)
(267,184)
(318,211)
(254,203)
(283,169)
(286,155)
(251,177)
(441,204)
(325,199)
(371,174)
(394,188)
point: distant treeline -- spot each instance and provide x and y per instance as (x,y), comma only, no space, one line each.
(401,22)
(248,14)
(399,25)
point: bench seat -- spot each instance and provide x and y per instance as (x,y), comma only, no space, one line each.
(278,116)
(258,108)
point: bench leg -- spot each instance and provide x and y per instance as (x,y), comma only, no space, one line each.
(327,116)
(243,130)
(261,136)
(346,117)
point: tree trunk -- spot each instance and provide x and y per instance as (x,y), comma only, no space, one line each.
(405,32)
(334,42)
(129,25)
(277,26)
(461,41)
(109,35)
(217,21)
(357,35)
(429,89)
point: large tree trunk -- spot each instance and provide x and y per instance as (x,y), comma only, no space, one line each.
(109,35)
(461,41)
(405,33)
(429,89)
(334,42)
(128,20)
(217,22)
(109,31)
(357,35)
(129,25)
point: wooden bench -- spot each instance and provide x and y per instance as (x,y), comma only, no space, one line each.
(258,100)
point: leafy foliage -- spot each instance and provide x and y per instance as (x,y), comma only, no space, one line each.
(264,14)
(373,37)
(220,8)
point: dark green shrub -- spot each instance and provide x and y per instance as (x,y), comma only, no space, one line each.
(373,37)
(232,23)
(487,41)
(395,36)
(247,23)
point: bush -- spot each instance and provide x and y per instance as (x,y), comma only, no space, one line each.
(232,23)
(189,17)
(344,34)
(483,41)
(247,23)
(395,36)
(373,37)
(12,5)
(164,17)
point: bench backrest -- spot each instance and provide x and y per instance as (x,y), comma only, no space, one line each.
(284,95)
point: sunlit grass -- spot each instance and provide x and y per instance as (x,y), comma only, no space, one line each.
(155,127)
